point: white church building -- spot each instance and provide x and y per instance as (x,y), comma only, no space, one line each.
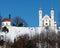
(47,21)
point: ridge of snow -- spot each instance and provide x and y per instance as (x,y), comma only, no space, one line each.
(18,31)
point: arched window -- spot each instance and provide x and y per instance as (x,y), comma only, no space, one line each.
(6,23)
(49,23)
(43,22)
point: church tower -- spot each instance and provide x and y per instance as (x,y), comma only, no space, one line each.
(52,17)
(40,17)
(52,13)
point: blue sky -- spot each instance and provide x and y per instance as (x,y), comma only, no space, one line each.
(28,9)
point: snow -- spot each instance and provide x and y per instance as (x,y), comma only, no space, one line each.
(15,32)
(2,36)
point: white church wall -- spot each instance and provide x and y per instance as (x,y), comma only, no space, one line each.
(52,13)
(6,23)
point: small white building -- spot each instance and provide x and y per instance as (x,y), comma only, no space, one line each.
(6,22)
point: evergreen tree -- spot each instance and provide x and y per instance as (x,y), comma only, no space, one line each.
(5,29)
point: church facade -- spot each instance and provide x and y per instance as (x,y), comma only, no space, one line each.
(47,21)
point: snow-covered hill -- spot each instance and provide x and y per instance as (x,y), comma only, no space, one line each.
(15,32)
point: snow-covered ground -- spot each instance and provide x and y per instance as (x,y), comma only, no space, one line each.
(15,32)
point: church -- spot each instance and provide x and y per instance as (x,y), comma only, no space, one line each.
(44,22)
(47,21)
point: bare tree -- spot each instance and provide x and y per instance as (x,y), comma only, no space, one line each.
(18,21)
(48,38)
(58,39)
(24,42)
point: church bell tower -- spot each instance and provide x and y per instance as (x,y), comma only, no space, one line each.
(52,17)
(40,17)
(52,13)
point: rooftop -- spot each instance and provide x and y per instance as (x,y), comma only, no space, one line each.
(6,19)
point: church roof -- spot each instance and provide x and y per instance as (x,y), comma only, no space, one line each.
(46,17)
(6,19)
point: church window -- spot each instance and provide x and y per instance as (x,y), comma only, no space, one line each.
(6,23)
(40,12)
(46,23)
(46,20)
(43,22)
(49,23)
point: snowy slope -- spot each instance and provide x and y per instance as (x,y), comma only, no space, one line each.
(2,36)
(15,32)
(18,31)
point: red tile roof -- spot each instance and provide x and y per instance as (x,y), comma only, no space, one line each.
(6,19)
